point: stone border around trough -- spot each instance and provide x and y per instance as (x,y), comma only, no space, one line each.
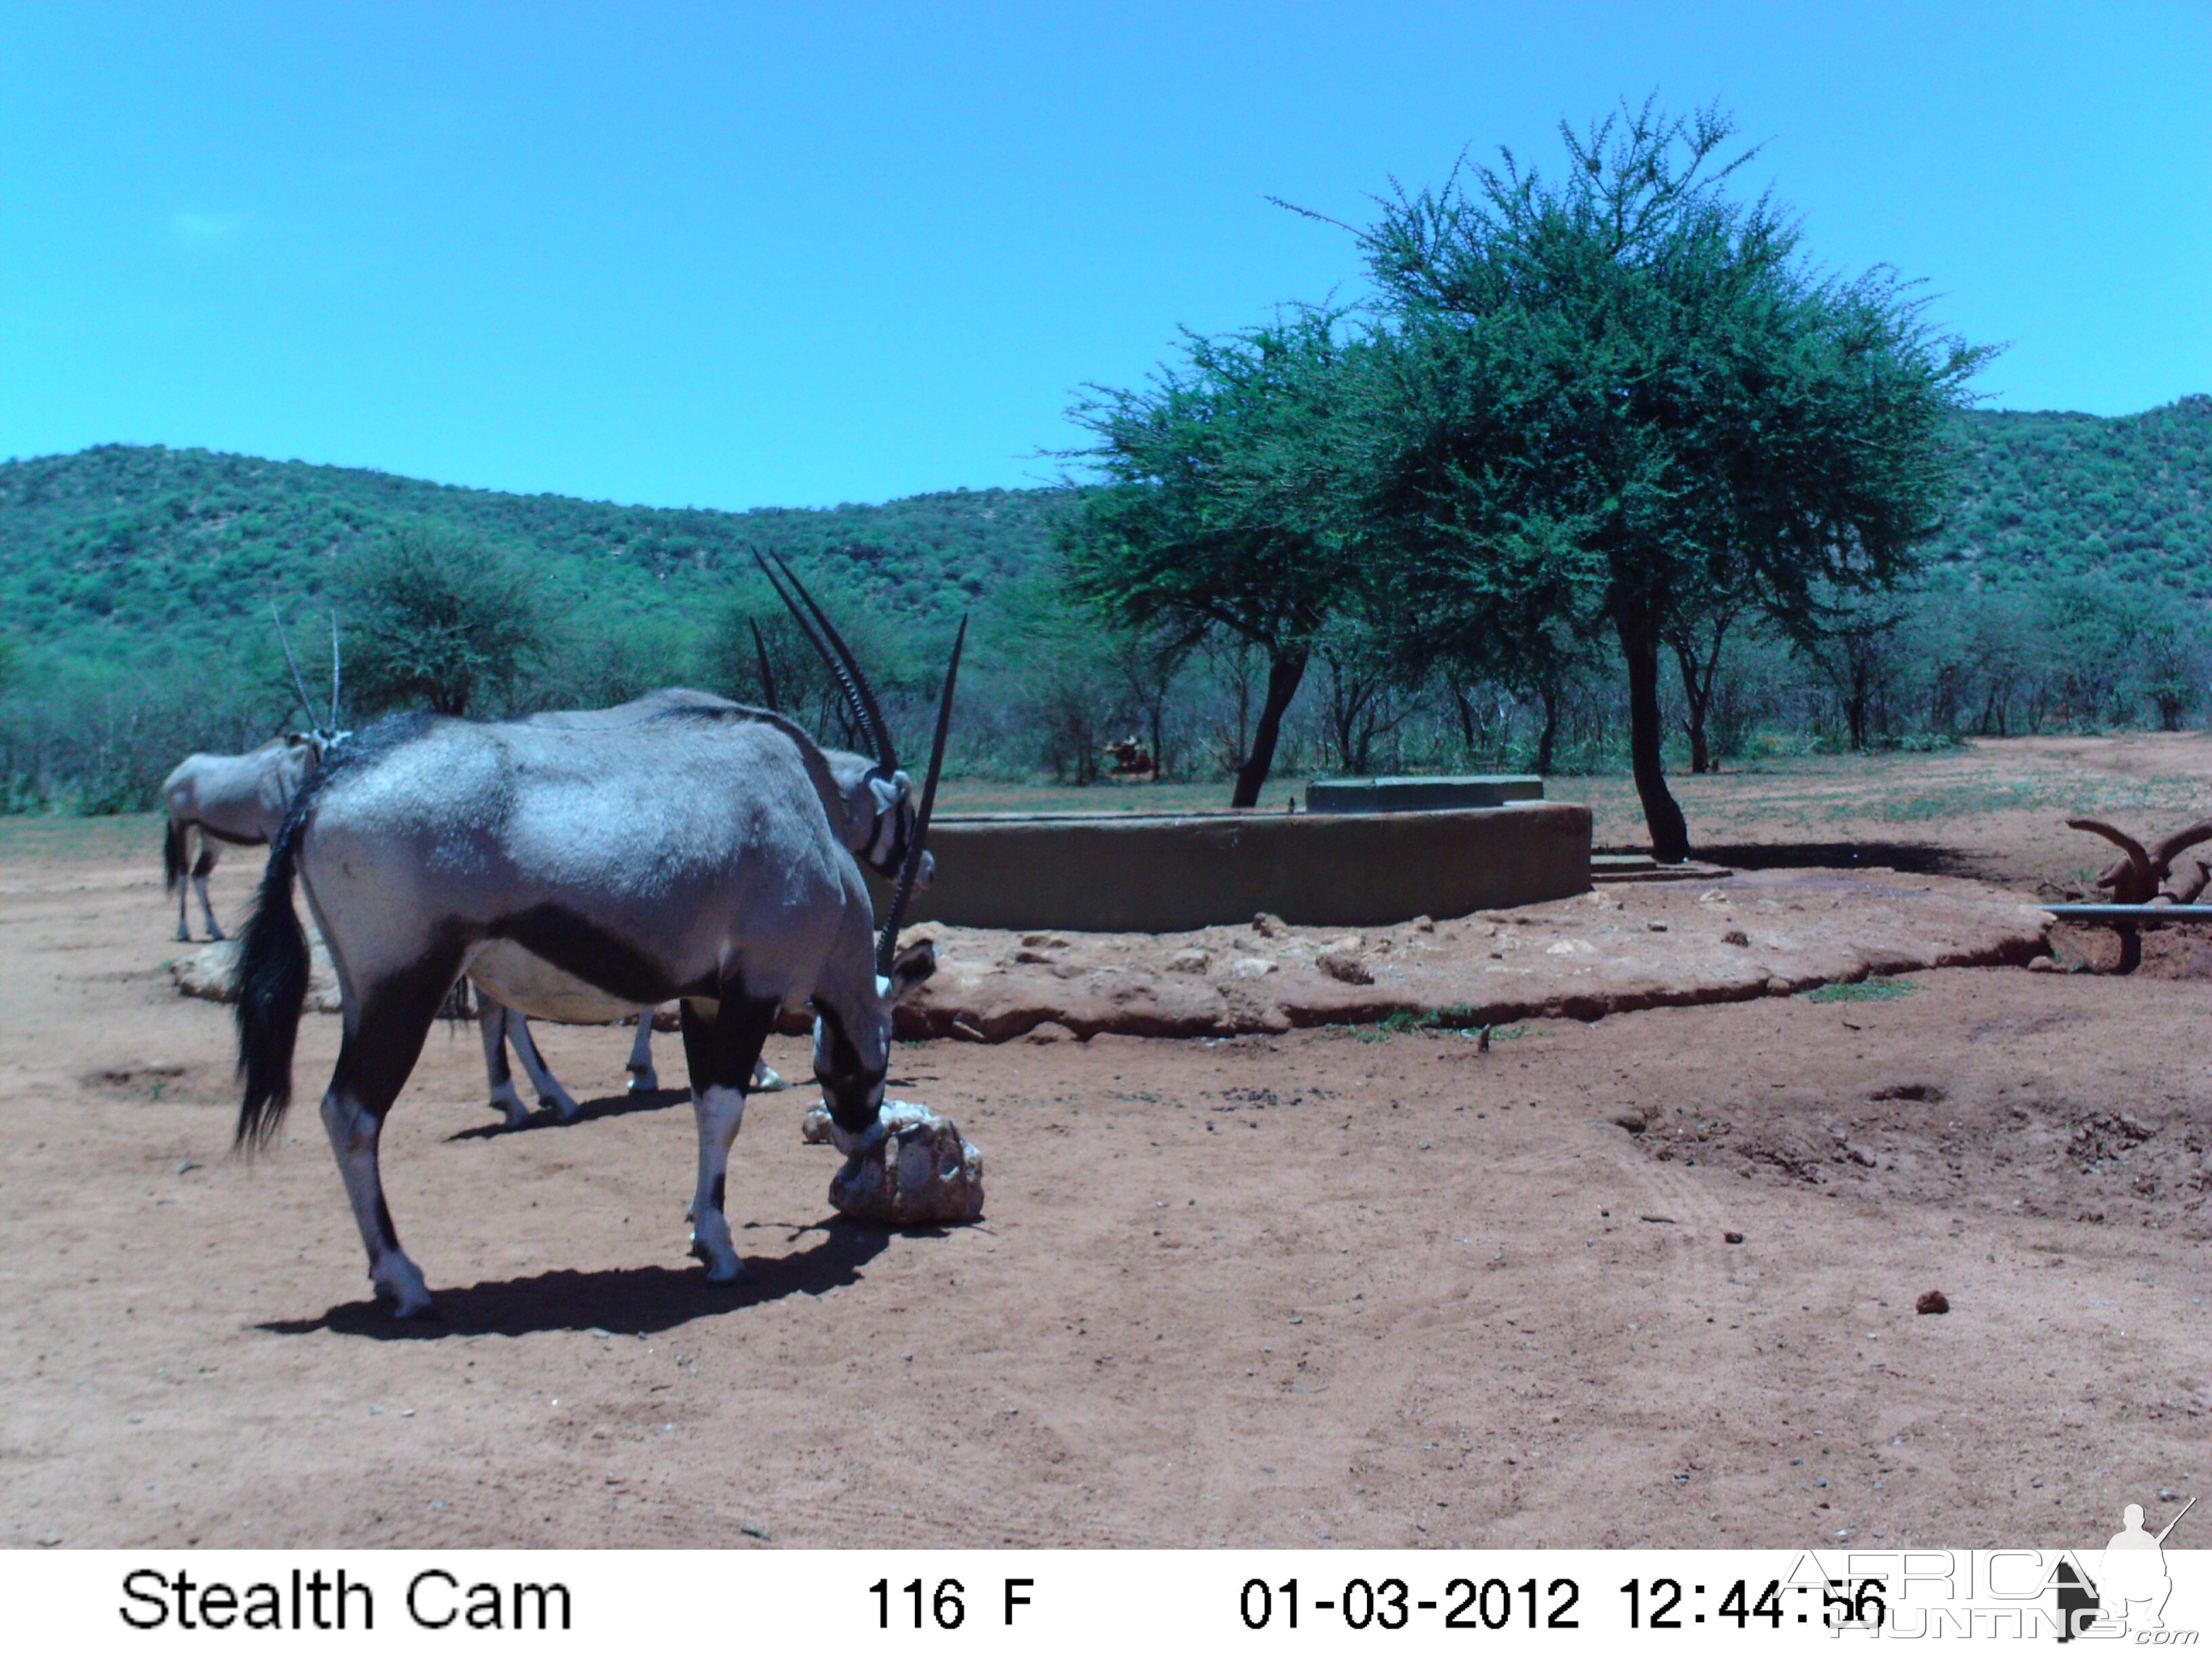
(1610,951)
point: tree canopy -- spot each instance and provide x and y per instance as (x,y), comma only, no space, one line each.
(1227,506)
(1623,397)
(437,620)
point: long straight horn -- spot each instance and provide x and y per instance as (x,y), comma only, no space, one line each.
(767,674)
(874,728)
(887,945)
(334,671)
(306,703)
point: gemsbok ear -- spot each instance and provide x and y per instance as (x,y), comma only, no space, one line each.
(911,970)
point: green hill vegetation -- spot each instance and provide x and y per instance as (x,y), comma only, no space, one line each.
(137,583)
(147,550)
(2045,495)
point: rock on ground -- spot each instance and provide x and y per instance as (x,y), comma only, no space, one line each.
(922,1172)
(211,973)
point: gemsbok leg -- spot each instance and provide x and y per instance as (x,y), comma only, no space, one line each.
(500,1025)
(380,1045)
(721,1045)
(643,1079)
(201,868)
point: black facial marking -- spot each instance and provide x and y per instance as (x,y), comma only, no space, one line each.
(845,1085)
(894,859)
(604,960)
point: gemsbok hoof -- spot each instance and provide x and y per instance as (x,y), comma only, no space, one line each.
(728,1271)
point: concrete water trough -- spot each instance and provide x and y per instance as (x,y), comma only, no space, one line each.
(1133,872)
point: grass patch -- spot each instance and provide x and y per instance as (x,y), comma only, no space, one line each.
(1864,990)
(1458,1016)
(136,834)
(959,795)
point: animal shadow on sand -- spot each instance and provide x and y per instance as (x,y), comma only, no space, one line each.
(587,1111)
(624,1301)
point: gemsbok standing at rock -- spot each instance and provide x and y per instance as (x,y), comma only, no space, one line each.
(701,855)
(880,825)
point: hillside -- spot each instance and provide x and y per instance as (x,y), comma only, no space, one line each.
(107,551)
(2045,495)
(122,554)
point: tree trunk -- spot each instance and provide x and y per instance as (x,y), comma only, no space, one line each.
(1695,696)
(1647,731)
(1547,692)
(1465,706)
(1284,673)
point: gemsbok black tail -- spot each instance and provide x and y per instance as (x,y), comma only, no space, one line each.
(173,856)
(272,990)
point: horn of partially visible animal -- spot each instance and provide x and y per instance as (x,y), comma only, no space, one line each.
(306,703)
(768,699)
(334,671)
(2133,882)
(2163,854)
(874,730)
(2192,885)
(887,943)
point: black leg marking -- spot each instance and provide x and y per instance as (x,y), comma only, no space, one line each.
(378,1052)
(493,1018)
(723,1050)
(720,1189)
(389,1233)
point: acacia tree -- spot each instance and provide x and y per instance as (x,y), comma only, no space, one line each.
(1628,390)
(436,619)
(1223,509)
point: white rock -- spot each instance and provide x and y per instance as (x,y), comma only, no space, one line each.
(211,972)
(922,1170)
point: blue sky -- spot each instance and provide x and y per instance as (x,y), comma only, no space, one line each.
(739,256)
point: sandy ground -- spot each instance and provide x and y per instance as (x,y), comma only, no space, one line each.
(1326,1286)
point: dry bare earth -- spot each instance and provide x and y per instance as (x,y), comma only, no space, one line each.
(1325,1284)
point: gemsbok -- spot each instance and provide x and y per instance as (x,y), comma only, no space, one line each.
(878,826)
(700,854)
(238,801)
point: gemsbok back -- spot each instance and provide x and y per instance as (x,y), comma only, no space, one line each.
(700,854)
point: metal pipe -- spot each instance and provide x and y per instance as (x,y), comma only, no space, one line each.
(2130,912)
